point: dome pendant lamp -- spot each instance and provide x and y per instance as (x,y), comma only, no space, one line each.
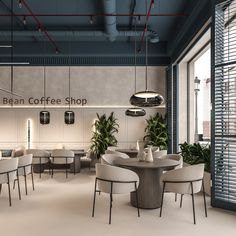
(135,111)
(146,98)
(44,115)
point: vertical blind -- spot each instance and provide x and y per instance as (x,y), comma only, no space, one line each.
(224,106)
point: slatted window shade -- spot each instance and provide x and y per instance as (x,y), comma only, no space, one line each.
(224,102)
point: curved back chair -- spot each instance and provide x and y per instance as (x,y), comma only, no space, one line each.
(120,154)
(25,168)
(115,180)
(186,180)
(110,159)
(62,156)
(175,157)
(8,174)
(40,157)
(159,154)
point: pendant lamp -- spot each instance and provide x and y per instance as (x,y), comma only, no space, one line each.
(69,115)
(44,115)
(135,111)
(146,98)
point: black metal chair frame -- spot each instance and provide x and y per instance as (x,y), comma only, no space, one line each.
(8,183)
(52,165)
(40,164)
(192,194)
(111,196)
(32,177)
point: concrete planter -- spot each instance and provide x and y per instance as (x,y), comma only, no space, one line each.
(207,183)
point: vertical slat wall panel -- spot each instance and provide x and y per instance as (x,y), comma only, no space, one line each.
(224,106)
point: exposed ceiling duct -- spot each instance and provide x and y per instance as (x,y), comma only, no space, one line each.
(110,21)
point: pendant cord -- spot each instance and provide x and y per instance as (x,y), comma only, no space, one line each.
(12,72)
(69,71)
(135,58)
(146,58)
(44,85)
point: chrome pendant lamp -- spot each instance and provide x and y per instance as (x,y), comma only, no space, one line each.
(69,115)
(44,115)
(135,111)
(146,98)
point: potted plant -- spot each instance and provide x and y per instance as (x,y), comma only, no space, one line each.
(156,132)
(103,137)
(195,154)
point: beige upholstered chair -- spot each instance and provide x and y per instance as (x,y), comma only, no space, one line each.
(110,159)
(62,156)
(120,154)
(40,157)
(159,154)
(114,180)
(25,168)
(8,174)
(175,157)
(186,180)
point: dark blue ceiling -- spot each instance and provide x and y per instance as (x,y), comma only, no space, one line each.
(61,29)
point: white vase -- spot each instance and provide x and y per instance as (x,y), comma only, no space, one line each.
(149,156)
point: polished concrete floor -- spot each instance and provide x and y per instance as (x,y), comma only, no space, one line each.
(62,206)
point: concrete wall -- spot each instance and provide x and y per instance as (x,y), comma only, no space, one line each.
(106,89)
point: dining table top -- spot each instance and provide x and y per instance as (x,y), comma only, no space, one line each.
(157,163)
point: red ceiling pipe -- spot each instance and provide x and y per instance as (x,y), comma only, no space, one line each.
(94,14)
(41,26)
(146,22)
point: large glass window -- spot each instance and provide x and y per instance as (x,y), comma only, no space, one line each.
(202,96)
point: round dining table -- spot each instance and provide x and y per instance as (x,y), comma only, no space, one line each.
(149,189)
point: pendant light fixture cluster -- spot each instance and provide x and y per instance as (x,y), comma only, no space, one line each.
(146,98)
(135,111)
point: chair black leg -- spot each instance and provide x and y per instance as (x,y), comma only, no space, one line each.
(52,167)
(40,173)
(9,189)
(18,183)
(194,217)
(94,197)
(0,188)
(32,177)
(162,197)
(66,169)
(136,193)
(74,166)
(204,197)
(26,191)
(14,183)
(110,203)
(176,197)
(181,200)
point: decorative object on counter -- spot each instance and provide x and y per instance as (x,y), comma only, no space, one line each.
(137,145)
(156,132)
(141,155)
(146,98)
(44,115)
(103,137)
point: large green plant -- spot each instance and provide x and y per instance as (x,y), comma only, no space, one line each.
(196,153)
(156,132)
(103,137)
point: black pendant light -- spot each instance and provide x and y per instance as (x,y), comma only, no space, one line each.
(69,115)
(44,115)
(146,98)
(135,111)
